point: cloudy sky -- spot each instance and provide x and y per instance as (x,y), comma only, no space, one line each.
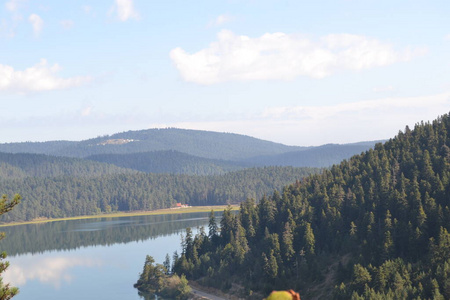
(296,72)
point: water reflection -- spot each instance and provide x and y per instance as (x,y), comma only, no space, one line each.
(69,235)
(90,259)
(48,270)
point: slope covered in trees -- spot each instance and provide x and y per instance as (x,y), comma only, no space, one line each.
(196,152)
(64,196)
(169,161)
(320,157)
(207,144)
(373,227)
(22,165)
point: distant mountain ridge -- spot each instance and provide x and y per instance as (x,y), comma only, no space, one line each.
(207,144)
(319,157)
(190,151)
(22,165)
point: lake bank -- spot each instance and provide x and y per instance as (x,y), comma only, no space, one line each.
(165,211)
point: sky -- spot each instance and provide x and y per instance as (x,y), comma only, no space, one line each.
(300,73)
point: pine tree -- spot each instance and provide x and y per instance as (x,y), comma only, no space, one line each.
(6,292)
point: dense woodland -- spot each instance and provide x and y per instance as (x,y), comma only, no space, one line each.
(169,161)
(373,227)
(64,196)
(23,165)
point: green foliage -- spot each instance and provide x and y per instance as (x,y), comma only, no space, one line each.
(154,280)
(169,161)
(23,165)
(6,292)
(383,218)
(64,196)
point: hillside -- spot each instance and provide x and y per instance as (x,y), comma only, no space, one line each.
(169,161)
(49,147)
(207,144)
(22,165)
(182,151)
(375,226)
(319,157)
(65,196)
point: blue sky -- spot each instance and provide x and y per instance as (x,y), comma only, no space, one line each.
(296,72)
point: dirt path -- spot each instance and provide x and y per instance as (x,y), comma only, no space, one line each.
(204,295)
(326,287)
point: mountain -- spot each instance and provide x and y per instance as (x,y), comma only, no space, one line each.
(207,144)
(169,161)
(22,165)
(319,157)
(375,226)
(36,147)
(190,151)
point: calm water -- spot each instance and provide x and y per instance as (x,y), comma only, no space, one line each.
(90,259)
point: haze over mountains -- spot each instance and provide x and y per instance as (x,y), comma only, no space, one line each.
(152,169)
(182,151)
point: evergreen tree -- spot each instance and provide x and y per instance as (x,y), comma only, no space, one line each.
(6,292)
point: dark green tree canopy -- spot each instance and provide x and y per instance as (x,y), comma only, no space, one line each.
(373,227)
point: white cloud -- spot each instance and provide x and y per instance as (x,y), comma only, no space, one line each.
(85,112)
(6,29)
(37,23)
(381,89)
(283,56)
(220,20)
(125,10)
(67,24)
(14,5)
(447,37)
(339,123)
(87,9)
(369,107)
(39,77)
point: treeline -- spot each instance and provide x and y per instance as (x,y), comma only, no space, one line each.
(374,227)
(55,197)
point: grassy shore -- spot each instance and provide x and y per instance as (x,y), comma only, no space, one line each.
(182,210)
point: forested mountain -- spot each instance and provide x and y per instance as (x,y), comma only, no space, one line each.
(64,196)
(373,227)
(23,165)
(207,144)
(175,162)
(169,161)
(190,151)
(50,147)
(319,157)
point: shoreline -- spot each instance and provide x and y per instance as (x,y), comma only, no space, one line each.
(163,211)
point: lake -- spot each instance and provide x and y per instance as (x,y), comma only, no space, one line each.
(90,259)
